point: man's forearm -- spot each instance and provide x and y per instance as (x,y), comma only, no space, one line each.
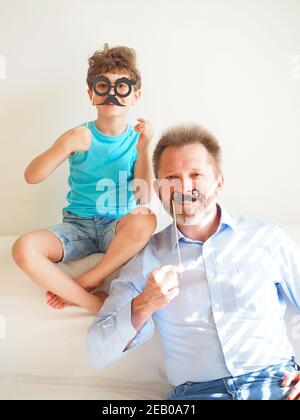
(140,312)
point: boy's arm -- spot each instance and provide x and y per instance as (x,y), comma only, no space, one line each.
(143,164)
(74,140)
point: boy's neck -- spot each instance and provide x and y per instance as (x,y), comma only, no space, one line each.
(111,126)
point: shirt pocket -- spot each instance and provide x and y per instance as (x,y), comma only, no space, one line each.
(253,279)
(254,290)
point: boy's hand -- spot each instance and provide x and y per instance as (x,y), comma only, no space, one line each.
(76,140)
(145,129)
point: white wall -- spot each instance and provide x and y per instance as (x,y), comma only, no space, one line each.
(231,65)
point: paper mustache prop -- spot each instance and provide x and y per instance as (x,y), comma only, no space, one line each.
(179,198)
(101,86)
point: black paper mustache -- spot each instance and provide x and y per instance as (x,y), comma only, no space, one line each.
(111,100)
(180,198)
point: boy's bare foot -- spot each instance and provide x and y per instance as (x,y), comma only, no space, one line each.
(84,281)
(56,302)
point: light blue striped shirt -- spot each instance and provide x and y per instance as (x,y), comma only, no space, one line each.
(228,318)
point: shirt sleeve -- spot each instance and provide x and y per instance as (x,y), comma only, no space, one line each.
(112,329)
(287,255)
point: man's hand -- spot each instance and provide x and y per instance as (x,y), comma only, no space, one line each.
(75,140)
(145,129)
(161,288)
(292,379)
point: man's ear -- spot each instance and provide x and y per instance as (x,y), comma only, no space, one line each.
(90,93)
(220,183)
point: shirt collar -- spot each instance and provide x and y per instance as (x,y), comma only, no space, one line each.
(226,220)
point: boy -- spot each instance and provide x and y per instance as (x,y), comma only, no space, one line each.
(99,152)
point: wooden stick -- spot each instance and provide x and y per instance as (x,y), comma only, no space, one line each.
(177,237)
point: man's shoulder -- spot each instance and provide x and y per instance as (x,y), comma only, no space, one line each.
(242,218)
(248,223)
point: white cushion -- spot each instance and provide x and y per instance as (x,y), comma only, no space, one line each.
(43,354)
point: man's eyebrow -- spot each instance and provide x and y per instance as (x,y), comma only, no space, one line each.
(192,169)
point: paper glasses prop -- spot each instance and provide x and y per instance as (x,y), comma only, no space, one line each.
(101,86)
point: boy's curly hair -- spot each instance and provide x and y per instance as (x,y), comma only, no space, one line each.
(114,60)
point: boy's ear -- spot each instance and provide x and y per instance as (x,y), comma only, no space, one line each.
(90,93)
(137,95)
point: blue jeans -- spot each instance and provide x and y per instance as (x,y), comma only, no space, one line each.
(262,385)
(82,236)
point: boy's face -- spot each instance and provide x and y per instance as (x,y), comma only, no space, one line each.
(113,110)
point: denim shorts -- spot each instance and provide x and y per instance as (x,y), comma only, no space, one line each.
(82,236)
(261,385)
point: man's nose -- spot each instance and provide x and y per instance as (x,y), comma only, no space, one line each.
(187,185)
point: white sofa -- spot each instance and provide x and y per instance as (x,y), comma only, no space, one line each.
(42,351)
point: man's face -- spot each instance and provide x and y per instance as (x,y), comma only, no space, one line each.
(186,172)
(112,110)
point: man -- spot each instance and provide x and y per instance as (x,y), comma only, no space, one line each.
(219,313)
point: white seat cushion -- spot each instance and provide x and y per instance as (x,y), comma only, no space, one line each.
(43,353)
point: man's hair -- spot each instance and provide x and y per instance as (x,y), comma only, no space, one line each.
(184,134)
(114,60)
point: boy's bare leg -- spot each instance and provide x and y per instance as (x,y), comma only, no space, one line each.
(36,254)
(133,232)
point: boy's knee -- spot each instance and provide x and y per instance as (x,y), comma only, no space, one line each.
(22,249)
(148,218)
(152,221)
(144,226)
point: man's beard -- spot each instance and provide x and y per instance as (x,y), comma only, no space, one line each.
(198,217)
(196,214)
